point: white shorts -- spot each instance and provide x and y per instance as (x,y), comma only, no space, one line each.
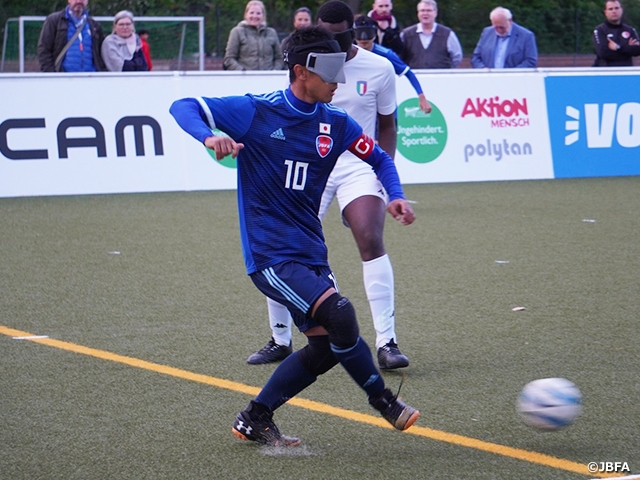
(351,178)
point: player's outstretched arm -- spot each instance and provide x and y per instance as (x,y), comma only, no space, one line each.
(401,210)
(223,146)
(190,116)
(425,106)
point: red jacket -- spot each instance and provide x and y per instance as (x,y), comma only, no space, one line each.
(147,52)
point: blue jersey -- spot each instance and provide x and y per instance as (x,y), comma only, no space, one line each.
(290,148)
(399,66)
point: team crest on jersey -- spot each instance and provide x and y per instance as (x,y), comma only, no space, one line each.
(626,35)
(361,87)
(324,144)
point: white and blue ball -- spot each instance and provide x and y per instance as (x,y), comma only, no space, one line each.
(549,403)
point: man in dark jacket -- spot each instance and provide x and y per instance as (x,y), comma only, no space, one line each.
(70,41)
(388,34)
(616,43)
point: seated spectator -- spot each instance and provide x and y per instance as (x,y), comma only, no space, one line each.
(70,41)
(428,44)
(366,29)
(301,18)
(146,49)
(252,45)
(122,50)
(616,43)
(505,44)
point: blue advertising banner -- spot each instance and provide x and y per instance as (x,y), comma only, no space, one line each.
(594,125)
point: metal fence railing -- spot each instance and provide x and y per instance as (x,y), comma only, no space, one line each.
(178,39)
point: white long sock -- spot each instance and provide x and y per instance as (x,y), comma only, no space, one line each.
(280,321)
(378,283)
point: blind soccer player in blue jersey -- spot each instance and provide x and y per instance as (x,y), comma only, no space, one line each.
(287,143)
(366,30)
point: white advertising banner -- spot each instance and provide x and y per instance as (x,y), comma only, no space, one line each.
(64,134)
(69,134)
(484,126)
(109,133)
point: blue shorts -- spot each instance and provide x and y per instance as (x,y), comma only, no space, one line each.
(296,286)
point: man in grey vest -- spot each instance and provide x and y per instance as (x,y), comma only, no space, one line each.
(428,44)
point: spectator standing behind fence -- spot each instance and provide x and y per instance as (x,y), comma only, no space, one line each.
(366,29)
(388,33)
(616,43)
(146,49)
(301,18)
(252,45)
(70,41)
(122,50)
(428,44)
(505,44)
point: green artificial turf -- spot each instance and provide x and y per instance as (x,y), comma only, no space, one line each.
(160,278)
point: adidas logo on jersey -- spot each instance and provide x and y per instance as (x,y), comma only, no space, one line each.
(278,135)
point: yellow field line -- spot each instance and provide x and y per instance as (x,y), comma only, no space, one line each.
(526,455)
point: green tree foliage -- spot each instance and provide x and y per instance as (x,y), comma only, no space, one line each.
(561,26)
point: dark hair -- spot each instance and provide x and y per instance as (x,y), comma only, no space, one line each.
(142,31)
(366,28)
(303,9)
(306,36)
(335,11)
(364,21)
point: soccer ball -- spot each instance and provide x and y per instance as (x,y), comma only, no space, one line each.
(549,403)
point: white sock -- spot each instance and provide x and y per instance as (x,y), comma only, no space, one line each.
(280,322)
(378,283)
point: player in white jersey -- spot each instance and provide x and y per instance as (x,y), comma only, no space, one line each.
(369,96)
(370,92)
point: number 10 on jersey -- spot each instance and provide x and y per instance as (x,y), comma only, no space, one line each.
(296,175)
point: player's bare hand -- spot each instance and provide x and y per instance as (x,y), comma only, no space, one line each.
(401,210)
(425,106)
(612,45)
(223,146)
(634,41)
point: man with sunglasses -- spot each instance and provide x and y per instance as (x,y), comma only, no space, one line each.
(287,143)
(369,96)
